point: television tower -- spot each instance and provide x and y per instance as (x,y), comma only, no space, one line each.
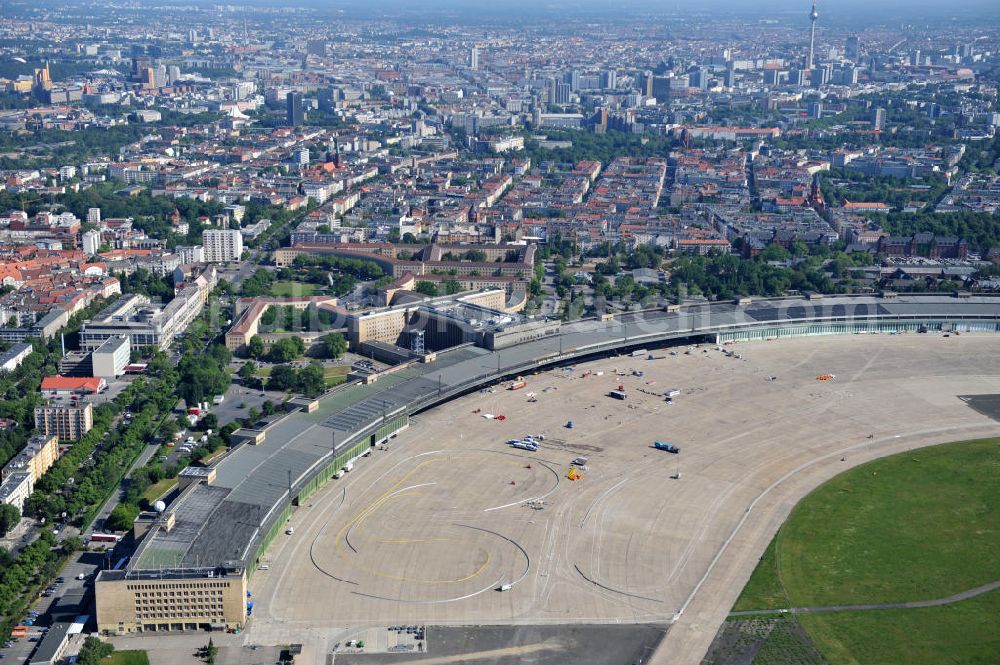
(813,15)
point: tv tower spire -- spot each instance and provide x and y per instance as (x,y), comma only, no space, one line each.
(813,15)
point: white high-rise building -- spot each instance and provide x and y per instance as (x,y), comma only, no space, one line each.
(91,242)
(474,59)
(93,215)
(222,245)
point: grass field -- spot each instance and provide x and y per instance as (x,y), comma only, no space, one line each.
(335,375)
(967,632)
(127,658)
(764,590)
(915,526)
(158,489)
(290,289)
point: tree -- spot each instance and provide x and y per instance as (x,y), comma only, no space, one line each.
(247,370)
(121,517)
(168,428)
(282,378)
(311,382)
(94,651)
(201,377)
(255,348)
(9,517)
(427,288)
(334,345)
(211,651)
(211,421)
(287,349)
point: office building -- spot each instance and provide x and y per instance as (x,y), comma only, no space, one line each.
(145,325)
(474,58)
(91,242)
(878,119)
(852,49)
(170,601)
(815,110)
(222,245)
(661,88)
(294,113)
(109,359)
(562,92)
(698,79)
(301,157)
(646,84)
(67,419)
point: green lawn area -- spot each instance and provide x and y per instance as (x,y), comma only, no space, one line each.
(158,489)
(290,289)
(967,632)
(335,375)
(914,526)
(764,590)
(127,658)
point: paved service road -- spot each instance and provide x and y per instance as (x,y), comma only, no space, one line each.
(964,595)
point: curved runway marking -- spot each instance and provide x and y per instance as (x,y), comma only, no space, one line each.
(607,588)
(431,602)
(527,559)
(345,532)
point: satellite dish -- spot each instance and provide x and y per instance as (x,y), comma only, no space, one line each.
(159,506)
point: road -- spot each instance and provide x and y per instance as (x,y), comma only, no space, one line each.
(116,497)
(948,600)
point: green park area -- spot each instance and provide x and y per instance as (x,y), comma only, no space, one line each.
(126,658)
(917,526)
(292,289)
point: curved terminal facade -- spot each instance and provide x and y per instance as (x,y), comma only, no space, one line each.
(192,565)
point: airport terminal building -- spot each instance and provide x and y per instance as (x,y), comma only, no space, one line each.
(196,559)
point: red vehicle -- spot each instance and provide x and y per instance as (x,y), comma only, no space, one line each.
(104,538)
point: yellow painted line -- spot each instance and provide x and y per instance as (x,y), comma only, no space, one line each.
(378,504)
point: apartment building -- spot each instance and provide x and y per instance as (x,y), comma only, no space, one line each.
(37,457)
(67,420)
(222,245)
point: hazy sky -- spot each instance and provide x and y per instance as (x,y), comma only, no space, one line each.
(854,11)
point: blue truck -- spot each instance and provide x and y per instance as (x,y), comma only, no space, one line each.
(663,445)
